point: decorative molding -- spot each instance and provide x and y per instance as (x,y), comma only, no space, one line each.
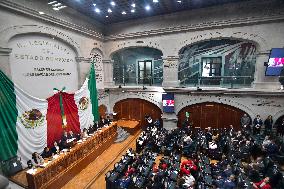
(27,11)
(200,26)
(83,59)
(5,51)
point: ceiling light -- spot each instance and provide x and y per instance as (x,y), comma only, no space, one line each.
(55,8)
(123,12)
(133,5)
(106,16)
(57,4)
(112,3)
(52,2)
(179,1)
(132,10)
(155,1)
(147,7)
(62,7)
(109,10)
(97,10)
(41,12)
(94,4)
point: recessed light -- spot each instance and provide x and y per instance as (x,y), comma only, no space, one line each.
(106,16)
(133,5)
(109,10)
(97,10)
(123,12)
(155,1)
(94,4)
(41,12)
(52,2)
(179,1)
(57,4)
(147,7)
(112,3)
(62,7)
(132,10)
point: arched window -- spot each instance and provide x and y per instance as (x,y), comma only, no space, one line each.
(225,63)
(138,66)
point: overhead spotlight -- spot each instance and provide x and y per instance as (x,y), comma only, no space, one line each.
(52,2)
(109,10)
(97,10)
(155,1)
(132,10)
(106,16)
(112,3)
(57,4)
(94,4)
(133,5)
(62,7)
(123,12)
(147,7)
(178,1)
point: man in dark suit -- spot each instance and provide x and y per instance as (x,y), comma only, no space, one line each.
(257,123)
(64,139)
(71,135)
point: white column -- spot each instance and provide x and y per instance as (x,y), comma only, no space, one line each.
(84,65)
(169,121)
(260,80)
(170,71)
(4,61)
(108,73)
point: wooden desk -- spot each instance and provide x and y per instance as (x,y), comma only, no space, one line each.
(58,172)
(130,126)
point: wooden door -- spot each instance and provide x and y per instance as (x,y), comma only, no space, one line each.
(213,115)
(136,109)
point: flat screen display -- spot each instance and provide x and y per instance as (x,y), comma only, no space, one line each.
(275,62)
(168,103)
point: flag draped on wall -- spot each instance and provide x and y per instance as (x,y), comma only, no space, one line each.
(92,85)
(22,122)
(28,124)
(54,116)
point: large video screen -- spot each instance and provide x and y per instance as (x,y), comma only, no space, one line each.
(275,62)
(168,102)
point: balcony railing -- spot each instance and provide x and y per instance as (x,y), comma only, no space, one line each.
(215,81)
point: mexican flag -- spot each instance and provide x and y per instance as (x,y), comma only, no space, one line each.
(23,127)
(28,124)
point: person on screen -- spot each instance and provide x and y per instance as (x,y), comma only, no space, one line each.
(37,159)
(281,78)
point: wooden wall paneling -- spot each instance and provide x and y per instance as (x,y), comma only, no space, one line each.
(136,109)
(212,114)
(102,110)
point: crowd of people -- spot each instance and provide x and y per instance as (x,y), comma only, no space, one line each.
(67,141)
(186,158)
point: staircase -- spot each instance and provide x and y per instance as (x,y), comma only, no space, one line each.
(121,135)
